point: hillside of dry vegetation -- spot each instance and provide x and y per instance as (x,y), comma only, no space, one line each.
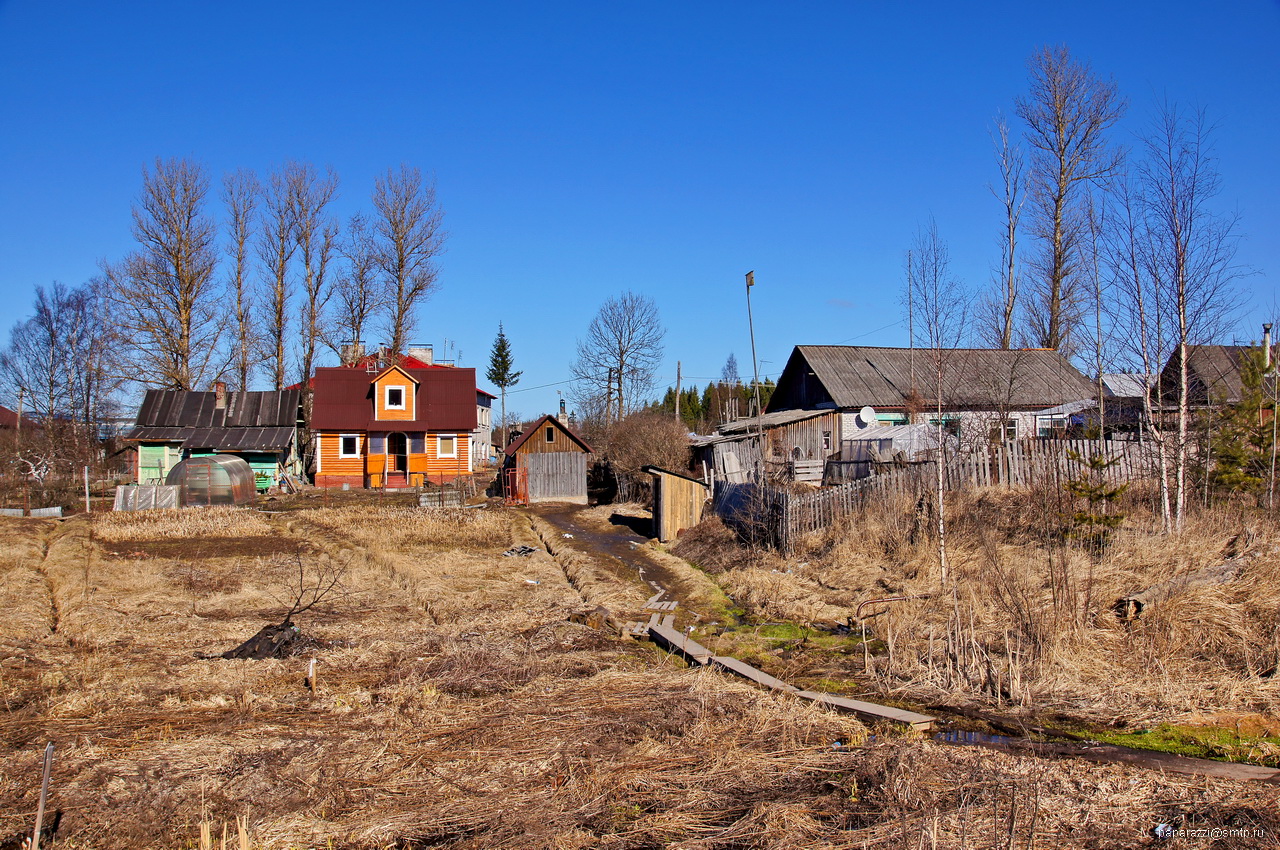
(1026,619)
(456,706)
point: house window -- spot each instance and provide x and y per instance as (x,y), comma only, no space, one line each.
(1003,433)
(395,398)
(950,424)
(349,445)
(826,441)
(446,446)
(551,434)
(1051,426)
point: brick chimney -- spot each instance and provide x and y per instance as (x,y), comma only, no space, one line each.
(219,395)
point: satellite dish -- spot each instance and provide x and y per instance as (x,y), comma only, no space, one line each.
(867,416)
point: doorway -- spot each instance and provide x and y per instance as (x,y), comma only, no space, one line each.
(397,455)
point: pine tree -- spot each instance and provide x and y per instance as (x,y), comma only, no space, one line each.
(1241,442)
(501,375)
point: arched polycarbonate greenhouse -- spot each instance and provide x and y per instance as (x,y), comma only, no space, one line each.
(213,480)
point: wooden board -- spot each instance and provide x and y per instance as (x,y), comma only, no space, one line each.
(871,711)
(677,642)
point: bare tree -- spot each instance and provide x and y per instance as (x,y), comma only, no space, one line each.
(1003,306)
(276,249)
(1190,252)
(240,195)
(359,294)
(940,304)
(617,361)
(163,296)
(317,238)
(409,234)
(1068,112)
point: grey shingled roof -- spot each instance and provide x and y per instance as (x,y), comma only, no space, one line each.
(854,376)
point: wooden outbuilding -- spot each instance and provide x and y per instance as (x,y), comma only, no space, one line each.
(677,502)
(547,463)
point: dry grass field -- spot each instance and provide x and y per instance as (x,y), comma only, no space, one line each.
(456,705)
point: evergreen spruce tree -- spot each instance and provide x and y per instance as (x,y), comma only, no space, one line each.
(502,375)
(1241,443)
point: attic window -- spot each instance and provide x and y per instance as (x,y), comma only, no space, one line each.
(551,434)
(395,398)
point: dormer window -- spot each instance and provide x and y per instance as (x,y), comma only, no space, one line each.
(394,398)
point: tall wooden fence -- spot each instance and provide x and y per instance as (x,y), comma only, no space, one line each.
(782,518)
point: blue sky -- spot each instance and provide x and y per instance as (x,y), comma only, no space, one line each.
(584,149)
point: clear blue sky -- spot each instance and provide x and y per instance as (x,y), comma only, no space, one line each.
(582,149)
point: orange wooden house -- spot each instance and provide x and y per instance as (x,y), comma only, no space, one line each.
(398,427)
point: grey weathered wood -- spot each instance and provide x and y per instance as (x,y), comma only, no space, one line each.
(557,477)
(681,643)
(746,671)
(871,711)
(669,621)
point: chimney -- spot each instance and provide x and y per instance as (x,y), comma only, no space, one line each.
(1266,345)
(219,395)
(424,353)
(564,415)
(351,353)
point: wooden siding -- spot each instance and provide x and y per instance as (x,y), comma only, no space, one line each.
(537,443)
(677,503)
(806,437)
(394,378)
(331,447)
(559,477)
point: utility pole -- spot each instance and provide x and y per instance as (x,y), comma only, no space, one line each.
(755,367)
(677,391)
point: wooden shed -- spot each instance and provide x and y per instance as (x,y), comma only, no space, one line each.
(677,502)
(547,463)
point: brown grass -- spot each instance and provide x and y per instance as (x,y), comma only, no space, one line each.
(456,707)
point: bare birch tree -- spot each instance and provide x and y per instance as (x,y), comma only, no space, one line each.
(240,196)
(1067,112)
(1190,253)
(164,295)
(940,305)
(276,249)
(409,234)
(619,357)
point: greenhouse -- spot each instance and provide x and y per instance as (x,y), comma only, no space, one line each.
(213,480)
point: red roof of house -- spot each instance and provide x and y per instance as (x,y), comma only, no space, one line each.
(9,418)
(343,400)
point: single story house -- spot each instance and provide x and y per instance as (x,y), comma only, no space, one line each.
(547,462)
(259,427)
(986,394)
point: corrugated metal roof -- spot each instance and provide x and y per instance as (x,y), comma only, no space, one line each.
(770,420)
(343,400)
(854,376)
(1124,384)
(188,409)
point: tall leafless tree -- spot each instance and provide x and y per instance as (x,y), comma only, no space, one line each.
(1003,305)
(359,295)
(317,237)
(619,357)
(240,195)
(276,249)
(409,235)
(1190,252)
(165,303)
(1068,112)
(940,304)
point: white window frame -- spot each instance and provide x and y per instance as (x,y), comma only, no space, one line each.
(341,439)
(404,397)
(440,438)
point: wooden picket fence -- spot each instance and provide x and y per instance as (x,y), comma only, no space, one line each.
(782,517)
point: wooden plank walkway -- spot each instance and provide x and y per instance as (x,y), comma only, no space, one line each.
(664,635)
(872,711)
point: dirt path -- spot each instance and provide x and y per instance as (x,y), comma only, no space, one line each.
(618,544)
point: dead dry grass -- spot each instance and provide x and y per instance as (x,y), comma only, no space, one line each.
(456,707)
(1027,619)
